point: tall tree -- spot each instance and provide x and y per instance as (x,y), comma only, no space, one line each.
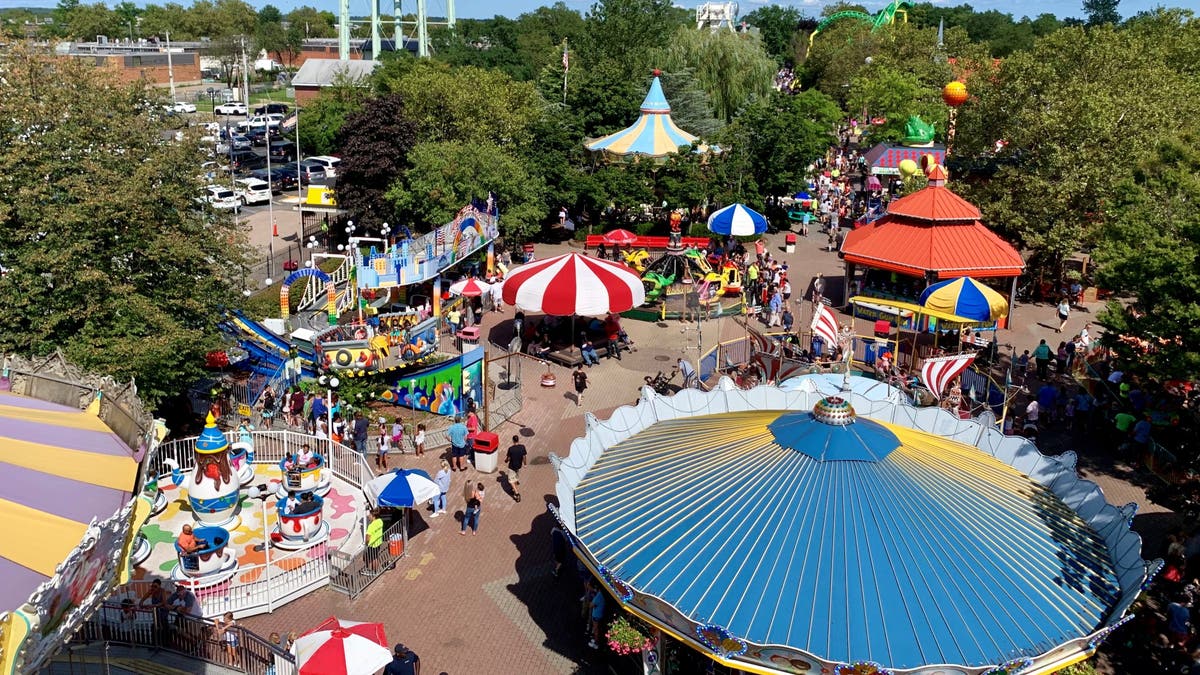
(269,14)
(1100,12)
(311,23)
(325,115)
(375,142)
(108,257)
(713,56)
(777,25)
(781,136)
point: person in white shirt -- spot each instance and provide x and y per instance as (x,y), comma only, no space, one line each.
(1031,412)
(306,456)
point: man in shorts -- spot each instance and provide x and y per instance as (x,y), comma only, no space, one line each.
(516,459)
(458,444)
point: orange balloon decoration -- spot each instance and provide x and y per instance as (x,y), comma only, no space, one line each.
(954,94)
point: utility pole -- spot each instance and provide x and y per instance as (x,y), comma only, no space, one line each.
(245,77)
(344,30)
(375,46)
(170,67)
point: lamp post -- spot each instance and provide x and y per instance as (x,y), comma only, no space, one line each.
(261,493)
(412,396)
(312,245)
(330,382)
(384,231)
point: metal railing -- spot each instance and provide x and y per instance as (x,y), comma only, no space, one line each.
(352,573)
(186,635)
(314,292)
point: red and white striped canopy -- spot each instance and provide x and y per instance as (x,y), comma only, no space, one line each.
(573,284)
(939,371)
(825,324)
(470,288)
(338,647)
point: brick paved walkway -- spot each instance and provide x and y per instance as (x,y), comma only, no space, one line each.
(487,603)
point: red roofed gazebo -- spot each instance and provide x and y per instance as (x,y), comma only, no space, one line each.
(929,235)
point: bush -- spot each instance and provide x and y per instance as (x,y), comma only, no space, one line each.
(627,635)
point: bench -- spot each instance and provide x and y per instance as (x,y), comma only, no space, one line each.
(646,241)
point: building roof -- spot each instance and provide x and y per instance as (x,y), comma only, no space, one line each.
(959,249)
(62,468)
(949,544)
(323,72)
(934,204)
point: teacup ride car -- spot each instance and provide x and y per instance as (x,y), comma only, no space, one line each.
(141,550)
(304,526)
(299,479)
(241,458)
(209,565)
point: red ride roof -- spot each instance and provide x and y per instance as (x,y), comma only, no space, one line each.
(934,204)
(950,250)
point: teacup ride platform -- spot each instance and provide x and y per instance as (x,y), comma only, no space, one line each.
(314,479)
(240,454)
(208,566)
(300,528)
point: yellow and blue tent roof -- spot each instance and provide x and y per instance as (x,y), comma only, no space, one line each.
(965,297)
(62,468)
(654,134)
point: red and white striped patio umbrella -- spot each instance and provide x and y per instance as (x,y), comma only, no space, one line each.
(620,237)
(338,647)
(572,284)
(470,288)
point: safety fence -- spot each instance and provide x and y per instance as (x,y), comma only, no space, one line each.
(352,573)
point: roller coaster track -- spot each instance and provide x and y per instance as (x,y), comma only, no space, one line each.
(885,17)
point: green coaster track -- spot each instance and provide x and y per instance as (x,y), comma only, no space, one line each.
(885,17)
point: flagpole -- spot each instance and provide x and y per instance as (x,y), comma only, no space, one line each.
(566,67)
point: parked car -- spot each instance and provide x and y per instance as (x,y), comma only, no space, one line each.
(235,142)
(329,162)
(272,109)
(281,151)
(243,161)
(261,122)
(252,191)
(182,107)
(220,198)
(230,109)
(306,172)
(257,136)
(279,179)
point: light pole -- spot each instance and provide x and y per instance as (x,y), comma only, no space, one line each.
(261,493)
(412,397)
(330,382)
(384,231)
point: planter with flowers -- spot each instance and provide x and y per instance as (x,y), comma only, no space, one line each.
(628,635)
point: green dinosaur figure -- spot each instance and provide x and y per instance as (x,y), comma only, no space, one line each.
(917,132)
(655,284)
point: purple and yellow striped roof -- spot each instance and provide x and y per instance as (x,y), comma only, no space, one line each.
(61,468)
(654,134)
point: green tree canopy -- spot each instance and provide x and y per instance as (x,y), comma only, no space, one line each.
(374,142)
(731,67)
(107,254)
(777,25)
(781,135)
(325,115)
(1101,11)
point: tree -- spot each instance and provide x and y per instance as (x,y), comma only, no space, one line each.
(269,14)
(374,142)
(442,177)
(107,256)
(1151,251)
(128,13)
(1100,12)
(731,67)
(282,43)
(781,136)
(883,91)
(311,23)
(325,115)
(777,25)
(158,20)
(85,22)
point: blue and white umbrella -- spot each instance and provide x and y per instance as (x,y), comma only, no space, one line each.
(737,220)
(400,488)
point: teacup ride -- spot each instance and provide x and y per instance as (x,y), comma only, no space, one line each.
(160,503)
(241,458)
(314,479)
(208,566)
(303,527)
(141,550)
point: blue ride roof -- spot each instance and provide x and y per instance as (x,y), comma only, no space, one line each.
(860,541)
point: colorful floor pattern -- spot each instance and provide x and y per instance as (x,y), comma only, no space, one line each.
(340,513)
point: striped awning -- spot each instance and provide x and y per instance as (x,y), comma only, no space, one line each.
(61,469)
(654,134)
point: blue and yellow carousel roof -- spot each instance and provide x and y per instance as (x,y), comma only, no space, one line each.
(816,534)
(211,440)
(654,134)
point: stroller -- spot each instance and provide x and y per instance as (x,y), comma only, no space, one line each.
(660,383)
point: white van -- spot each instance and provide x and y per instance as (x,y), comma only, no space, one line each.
(329,162)
(252,191)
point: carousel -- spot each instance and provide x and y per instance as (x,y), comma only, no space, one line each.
(835,528)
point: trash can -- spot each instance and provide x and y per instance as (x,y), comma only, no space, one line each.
(395,545)
(527,249)
(486,446)
(790,241)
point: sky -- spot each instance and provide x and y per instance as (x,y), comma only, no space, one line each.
(512,8)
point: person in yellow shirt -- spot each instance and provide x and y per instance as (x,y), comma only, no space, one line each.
(374,543)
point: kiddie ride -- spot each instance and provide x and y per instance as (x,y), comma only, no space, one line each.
(300,526)
(690,267)
(312,477)
(207,566)
(399,339)
(214,494)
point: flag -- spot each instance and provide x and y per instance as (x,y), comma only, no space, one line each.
(938,372)
(439,237)
(566,59)
(288,125)
(824,325)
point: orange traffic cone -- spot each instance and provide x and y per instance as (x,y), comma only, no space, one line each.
(274,228)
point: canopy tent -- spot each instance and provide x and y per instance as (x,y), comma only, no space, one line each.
(654,134)
(573,285)
(737,220)
(339,647)
(965,297)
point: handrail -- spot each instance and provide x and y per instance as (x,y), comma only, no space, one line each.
(314,293)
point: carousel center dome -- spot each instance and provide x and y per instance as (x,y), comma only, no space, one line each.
(833,432)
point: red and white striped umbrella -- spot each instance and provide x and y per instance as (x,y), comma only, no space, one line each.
(572,284)
(470,288)
(338,647)
(620,237)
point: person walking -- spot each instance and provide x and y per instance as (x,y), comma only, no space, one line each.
(385,445)
(419,440)
(580,379)
(360,431)
(1064,312)
(442,480)
(1041,356)
(474,506)
(266,406)
(404,662)
(516,457)
(458,433)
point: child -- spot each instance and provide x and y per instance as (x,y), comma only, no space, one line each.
(419,440)
(385,441)
(398,435)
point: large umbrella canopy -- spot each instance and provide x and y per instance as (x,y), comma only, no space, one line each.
(400,488)
(965,297)
(470,288)
(338,647)
(620,237)
(572,284)
(737,220)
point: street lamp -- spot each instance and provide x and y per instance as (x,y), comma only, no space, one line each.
(330,382)
(412,396)
(384,231)
(261,493)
